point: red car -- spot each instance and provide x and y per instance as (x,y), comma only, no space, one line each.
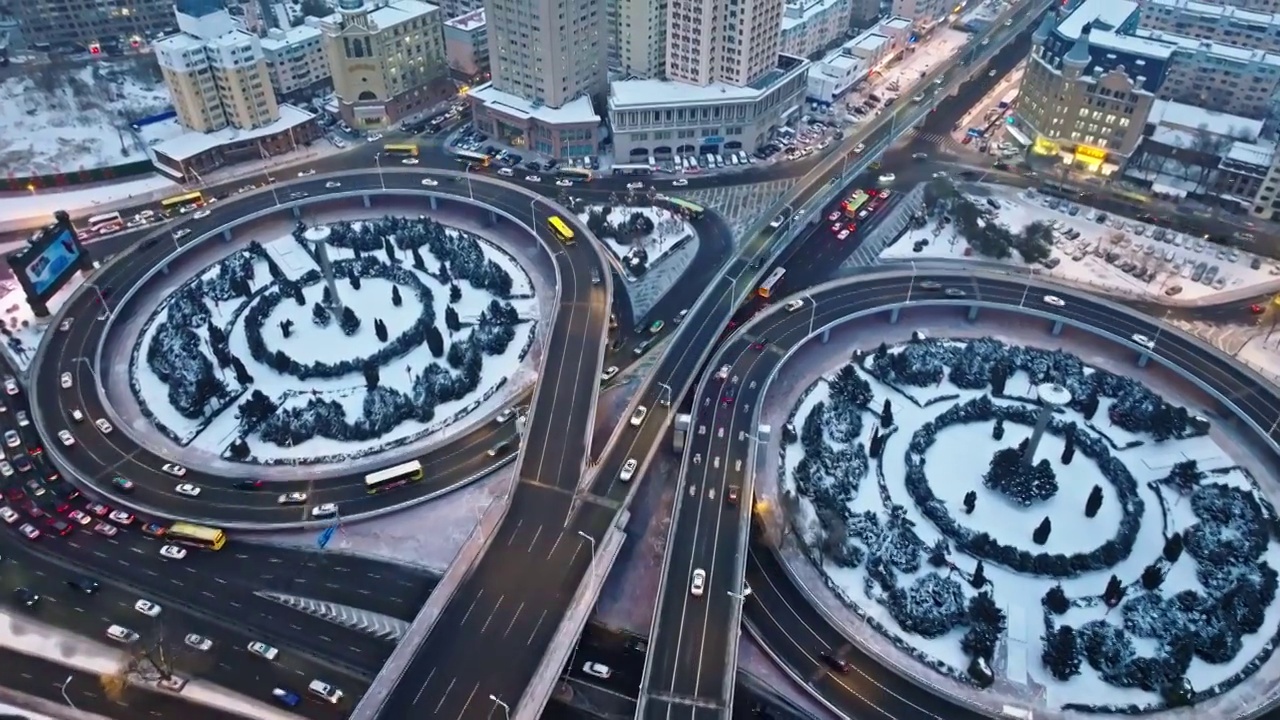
(759,344)
(15,494)
(62,527)
(1256,309)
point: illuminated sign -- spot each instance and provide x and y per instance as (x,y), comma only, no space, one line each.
(1091,152)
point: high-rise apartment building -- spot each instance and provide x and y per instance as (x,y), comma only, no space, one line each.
(297,61)
(924,13)
(387,60)
(1252,29)
(641,37)
(727,86)
(79,25)
(547,59)
(466,45)
(810,26)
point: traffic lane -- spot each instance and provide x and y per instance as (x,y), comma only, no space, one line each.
(181,584)
(446,674)
(227,663)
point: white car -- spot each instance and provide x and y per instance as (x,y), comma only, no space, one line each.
(11,386)
(148,608)
(106,530)
(325,510)
(9,515)
(609,373)
(637,417)
(699,584)
(307,173)
(723,372)
(65,325)
(635,186)
(65,437)
(532,178)
(409,161)
(202,214)
(174,469)
(23,420)
(859,148)
(11,438)
(293,498)
(1055,301)
(6,469)
(375,137)
(794,305)
(103,425)
(505,415)
(628,470)
(263,650)
(1144,341)
(187,489)
(121,634)
(939,175)
(429,182)
(181,233)
(120,516)
(679,182)
(506,172)
(330,185)
(564,182)
(77,415)
(597,670)
(887,178)
(199,642)
(173,552)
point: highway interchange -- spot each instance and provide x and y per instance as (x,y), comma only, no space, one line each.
(497,604)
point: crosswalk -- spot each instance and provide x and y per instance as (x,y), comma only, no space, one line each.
(741,206)
(942,141)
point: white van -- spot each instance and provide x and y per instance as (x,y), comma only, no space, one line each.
(325,691)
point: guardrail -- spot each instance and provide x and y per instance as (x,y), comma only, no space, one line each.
(217,233)
(926,301)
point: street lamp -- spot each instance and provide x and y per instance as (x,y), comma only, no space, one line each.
(63,688)
(506,709)
(377,161)
(89,365)
(742,596)
(1026,289)
(813,312)
(102,298)
(911,286)
(666,393)
(471,193)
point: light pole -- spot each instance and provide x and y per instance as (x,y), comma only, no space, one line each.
(742,596)
(377,161)
(63,688)
(813,312)
(506,709)
(666,393)
(97,290)
(1026,289)
(913,282)
(466,171)
(533,212)
(92,371)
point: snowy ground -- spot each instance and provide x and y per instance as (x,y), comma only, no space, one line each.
(670,234)
(310,343)
(1174,262)
(39,207)
(63,122)
(26,329)
(954,465)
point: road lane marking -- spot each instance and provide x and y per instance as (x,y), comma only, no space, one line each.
(444,695)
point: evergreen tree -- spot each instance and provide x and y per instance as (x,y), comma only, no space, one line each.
(286,328)
(886,414)
(242,374)
(999,378)
(349,323)
(371,375)
(979,577)
(417,259)
(1069,447)
(238,449)
(1184,477)
(1061,654)
(1041,534)
(1172,548)
(1089,407)
(1113,593)
(1094,502)
(380,330)
(455,292)
(997,431)
(875,444)
(970,502)
(390,250)
(444,274)
(451,320)
(396,300)
(319,316)
(1056,600)
(1152,576)
(354,278)
(435,342)
(327,297)
(938,553)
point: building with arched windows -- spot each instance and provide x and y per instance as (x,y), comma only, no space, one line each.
(387,60)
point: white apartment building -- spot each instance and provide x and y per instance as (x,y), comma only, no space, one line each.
(641,37)
(1258,30)
(851,63)
(729,41)
(296,61)
(466,44)
(810,26)
(923,13)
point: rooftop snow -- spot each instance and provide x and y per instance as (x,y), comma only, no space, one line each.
(629,94)
(1260,153)
(1181,115)
(575,112)
(1215,49)
(470,21)
(190,144)
(798,12)
(1099,14)
(1218,12)
(284,39)
(400,11)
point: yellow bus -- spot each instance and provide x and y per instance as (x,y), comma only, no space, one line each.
(473,158)
(197,535)
(191,198)
(407,150)
(561,230)
(771,283)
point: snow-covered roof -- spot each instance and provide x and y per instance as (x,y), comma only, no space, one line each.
(400,11)
(1218,12)
(1260,153)
(1216,50)
(900,24)
(277,40)
(575,112)
(190,144)
(1180,115)
(1098,14)
(635,94)
(798,12)
(470,21)
(1174,137)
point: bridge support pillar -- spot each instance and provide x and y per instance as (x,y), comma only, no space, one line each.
(1143,359)
(491,218)
(164,269)
(973,313)
(826,336)
(226,235)
(1057,327)
(366,200)
(297,212)
(435,202)
(893,316)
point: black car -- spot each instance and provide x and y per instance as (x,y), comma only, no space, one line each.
(26,597)
(86,585)
(835,663)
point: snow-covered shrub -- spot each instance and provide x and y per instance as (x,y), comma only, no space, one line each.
(972,365)
(1106,646)
(1024,484)
(1232,528)
(930,607)
(1061,652)
(987,624)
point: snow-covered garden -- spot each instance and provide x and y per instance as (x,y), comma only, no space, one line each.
(258,360)
(1126,567)
(639,236)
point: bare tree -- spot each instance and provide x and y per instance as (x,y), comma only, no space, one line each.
(141,664)
(1209,148)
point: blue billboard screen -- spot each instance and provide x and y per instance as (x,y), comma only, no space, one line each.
(49,267)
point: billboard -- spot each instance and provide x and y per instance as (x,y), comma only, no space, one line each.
(45,266)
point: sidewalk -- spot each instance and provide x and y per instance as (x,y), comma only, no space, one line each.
(43,641)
